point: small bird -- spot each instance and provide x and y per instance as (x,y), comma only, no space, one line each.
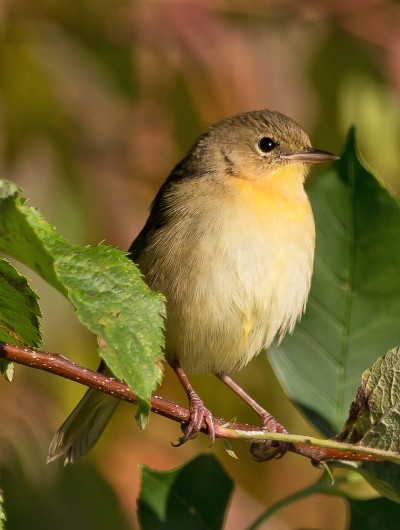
(230,243)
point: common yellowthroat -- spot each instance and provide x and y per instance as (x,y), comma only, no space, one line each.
(230,243)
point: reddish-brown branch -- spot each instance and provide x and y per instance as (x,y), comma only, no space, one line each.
(59,365)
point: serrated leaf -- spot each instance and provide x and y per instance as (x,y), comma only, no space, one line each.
(194,496)
(374,417)
(18,238)
(19,313)
(112,301)
(104,286)
(374,421)
(353,311)
(19,308)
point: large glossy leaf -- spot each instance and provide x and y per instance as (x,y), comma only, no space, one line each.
(353,313)
(105,287)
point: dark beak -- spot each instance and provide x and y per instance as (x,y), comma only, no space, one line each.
(311,156)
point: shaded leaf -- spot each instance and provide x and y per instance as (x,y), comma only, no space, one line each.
(324,485)
(373,514)
(104,286)
(354,306)
(42,498)
(2,513)
(19,313)
(194,496)
(19,309)
(384,477)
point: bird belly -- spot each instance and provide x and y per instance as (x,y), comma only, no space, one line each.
(235,285)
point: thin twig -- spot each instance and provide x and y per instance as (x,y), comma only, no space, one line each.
(58,365)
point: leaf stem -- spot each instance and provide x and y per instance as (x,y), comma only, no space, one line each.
(323,485)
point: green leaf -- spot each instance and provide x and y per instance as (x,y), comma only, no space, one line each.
(384,477)
(104,286)
(38,497)
(112,301)
(353,311)
(194,496)
(373,514)
(364,514)
(2,513)
(7,369)
(323,485)
(374,417)
(19,309)
(19,313)
(374,422)
(229,449)
(18,238)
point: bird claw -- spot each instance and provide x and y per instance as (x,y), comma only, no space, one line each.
(198,414)
(265,450)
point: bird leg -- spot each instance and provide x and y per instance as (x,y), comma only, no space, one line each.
(260,449)
(198,412)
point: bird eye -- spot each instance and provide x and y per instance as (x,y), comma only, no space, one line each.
(266,145)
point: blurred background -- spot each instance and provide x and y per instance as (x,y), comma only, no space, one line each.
(98,100)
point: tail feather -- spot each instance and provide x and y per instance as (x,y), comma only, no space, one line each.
(83,427)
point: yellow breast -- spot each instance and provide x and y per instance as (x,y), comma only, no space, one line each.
(235,269)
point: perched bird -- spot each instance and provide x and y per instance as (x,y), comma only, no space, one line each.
(230,243)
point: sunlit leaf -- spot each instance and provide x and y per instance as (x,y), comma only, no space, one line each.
(229,450)
(104,286)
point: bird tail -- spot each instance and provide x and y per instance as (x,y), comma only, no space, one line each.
(83,427)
